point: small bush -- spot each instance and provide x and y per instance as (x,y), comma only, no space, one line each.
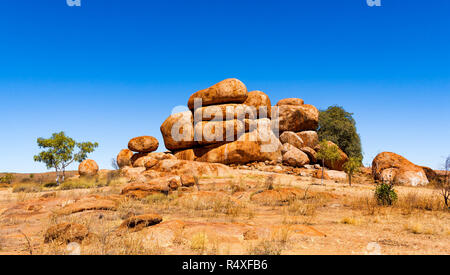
(50,184)
(199,242)
(385,194)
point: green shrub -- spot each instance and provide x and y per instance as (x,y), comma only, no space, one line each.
(385,194)
(50,184)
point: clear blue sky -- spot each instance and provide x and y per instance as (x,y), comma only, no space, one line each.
(111,70)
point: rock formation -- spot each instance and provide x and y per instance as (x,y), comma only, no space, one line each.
(394,168)
(231,126)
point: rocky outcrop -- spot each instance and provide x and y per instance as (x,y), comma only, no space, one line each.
(144,144)
(88,168)
(394,168)
(227,91)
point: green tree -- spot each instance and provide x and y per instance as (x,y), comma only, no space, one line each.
(353,165)
(339,126)
(59,152)
(327,152)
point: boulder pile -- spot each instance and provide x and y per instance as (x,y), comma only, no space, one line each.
(224,124)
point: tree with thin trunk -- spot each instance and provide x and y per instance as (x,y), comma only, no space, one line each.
(352,166)
(327,152)
(445,189)
(59,153)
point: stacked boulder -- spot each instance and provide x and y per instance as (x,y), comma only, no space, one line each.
(141,153)
(224,124)
(298,123)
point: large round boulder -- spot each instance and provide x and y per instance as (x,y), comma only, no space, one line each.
(178,131)
(88,168)
(144,144)
(260,102)
(297,118)
(394,168)
(124,158)
(227,91)
(291,101)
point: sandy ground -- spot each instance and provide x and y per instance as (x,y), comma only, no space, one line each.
(223,217)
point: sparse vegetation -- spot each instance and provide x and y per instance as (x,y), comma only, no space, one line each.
(327,152)
(59,153)
(352,166)
(385,194)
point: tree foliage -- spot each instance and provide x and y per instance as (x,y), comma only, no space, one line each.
(59,152)
(352,166)
(339,126)
(327,152)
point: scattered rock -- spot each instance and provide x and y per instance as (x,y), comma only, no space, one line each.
(89,203)
(141,190)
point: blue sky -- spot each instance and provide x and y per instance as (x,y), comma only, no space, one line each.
(111,70)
